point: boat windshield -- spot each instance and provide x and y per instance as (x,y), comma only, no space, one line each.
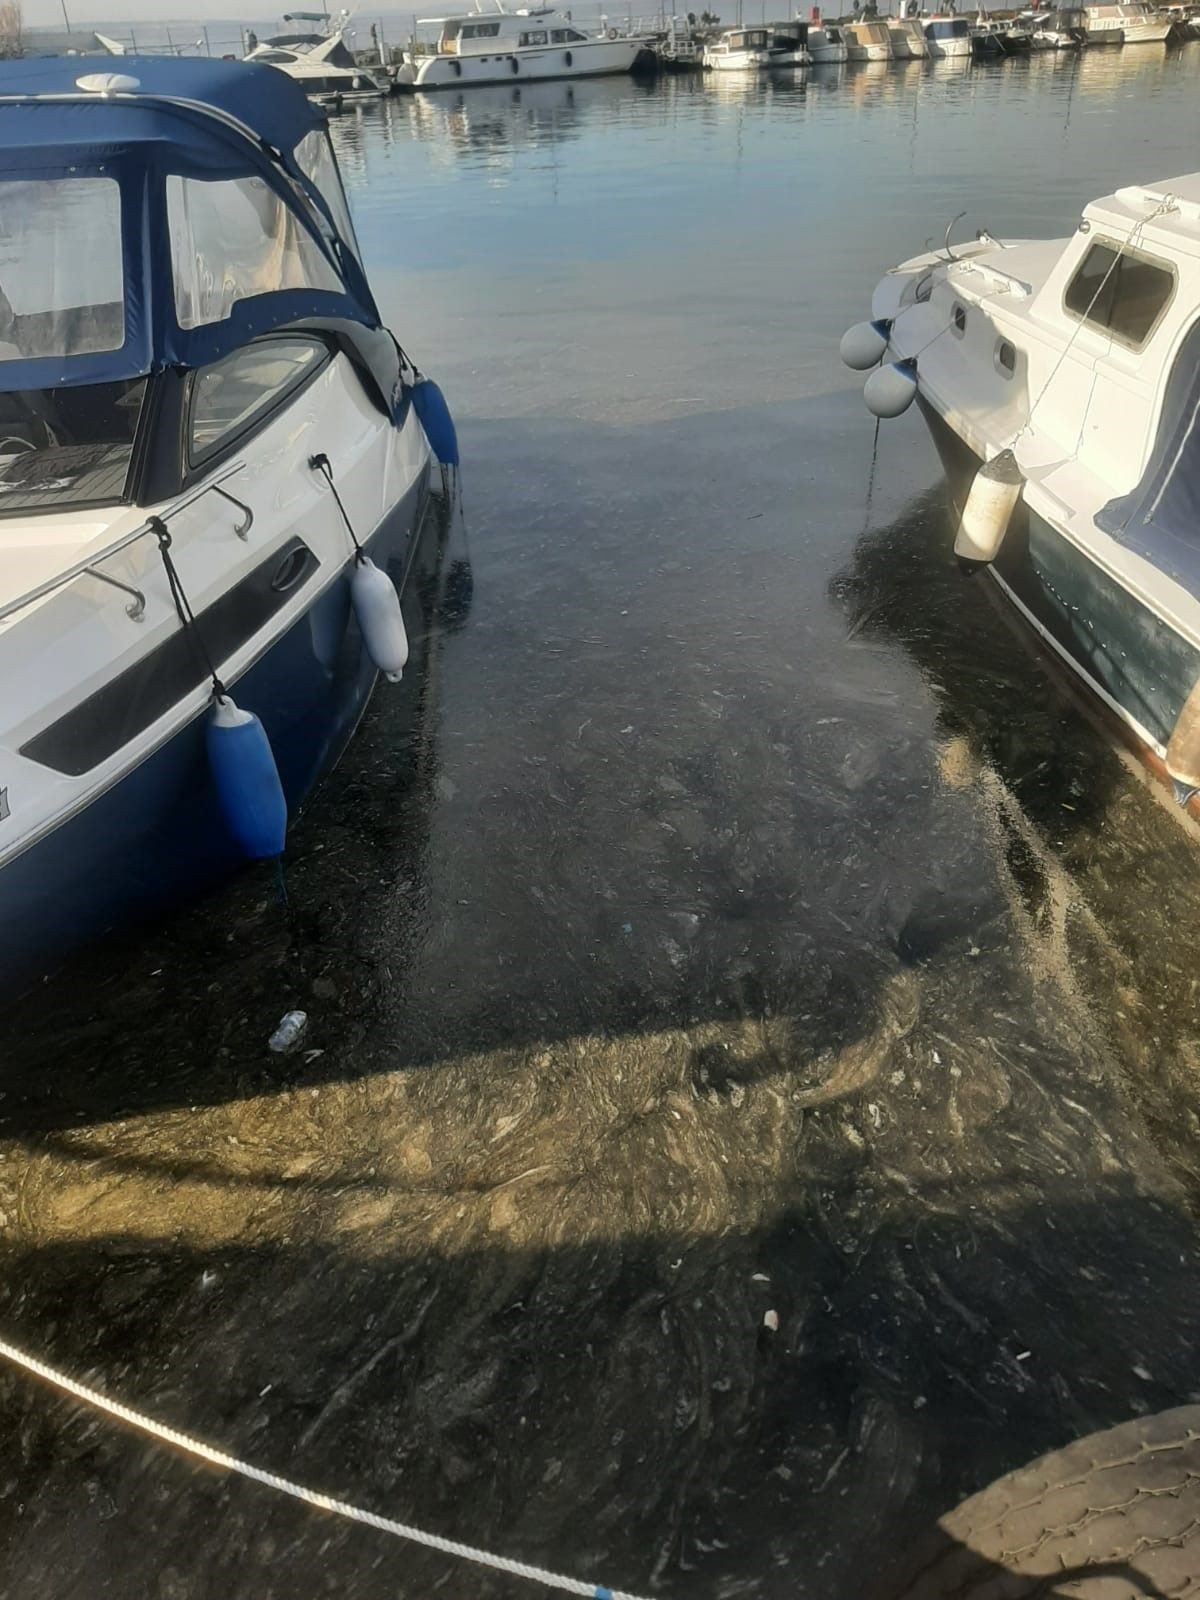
(956,28)
(61,267)
(67,447)
(232,239)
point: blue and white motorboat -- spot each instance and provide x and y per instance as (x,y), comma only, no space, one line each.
(1060,379)
(210,450)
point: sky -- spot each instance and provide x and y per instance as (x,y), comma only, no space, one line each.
(90,13)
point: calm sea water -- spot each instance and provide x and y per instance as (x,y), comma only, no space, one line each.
(607,248)
(752,1087)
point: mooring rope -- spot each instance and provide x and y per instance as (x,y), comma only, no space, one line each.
(297,1491)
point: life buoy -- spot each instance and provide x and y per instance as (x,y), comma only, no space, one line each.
(567,57)
(613,34)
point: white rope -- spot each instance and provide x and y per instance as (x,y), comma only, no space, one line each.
(297,1491)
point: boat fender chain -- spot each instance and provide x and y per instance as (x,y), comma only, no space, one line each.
(183,605)
(320,463)
(297,1491)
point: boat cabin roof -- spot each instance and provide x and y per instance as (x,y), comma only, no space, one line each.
(263,102)
(1166,213)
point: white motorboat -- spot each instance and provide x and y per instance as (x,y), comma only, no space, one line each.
(1053,30)
(739,50)
(826,45)
(1127,22)
(212,479)
(499,46)
(788,44)
(1071,369)
(320,62)
(948,38)
(867,41)
(907,38)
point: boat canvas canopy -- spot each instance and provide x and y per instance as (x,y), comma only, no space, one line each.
(162,216)
(1160,517)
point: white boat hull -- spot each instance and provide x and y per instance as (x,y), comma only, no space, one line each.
(588,59)
(737,61)
(908,44)
(828,55)
(949,49)
(869,52)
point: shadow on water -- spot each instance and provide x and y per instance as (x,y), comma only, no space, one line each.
(656,805)
(611,1407)
(1098,865)
(668,967)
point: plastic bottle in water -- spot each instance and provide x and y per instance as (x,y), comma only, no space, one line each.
(291,1025)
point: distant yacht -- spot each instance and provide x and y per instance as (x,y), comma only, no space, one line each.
(826,45)
(868,41)
(319,61)
(499,46)
(948,37)
(907,38)
(788,44)
(1127,22)
(740,50)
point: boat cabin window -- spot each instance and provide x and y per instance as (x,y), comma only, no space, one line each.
(232,239)
(566,36)
(278,58)
(62,287)
(228,398)
(479,30)
(953,28)
(538,37)
(314,156)
(67,447)
(1122,292)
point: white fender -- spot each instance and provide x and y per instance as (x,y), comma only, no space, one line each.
(989,507)
(891,389)
(865,344)
(377,609)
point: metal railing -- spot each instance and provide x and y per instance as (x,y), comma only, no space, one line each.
(86,565)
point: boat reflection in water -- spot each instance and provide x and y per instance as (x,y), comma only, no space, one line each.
(1101,871)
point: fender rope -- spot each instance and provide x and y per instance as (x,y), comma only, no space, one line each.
(297,1491)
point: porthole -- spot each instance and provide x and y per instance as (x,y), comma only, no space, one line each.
(958,320)
(1006,358)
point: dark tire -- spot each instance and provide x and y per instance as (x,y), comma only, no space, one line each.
(1112,1517)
